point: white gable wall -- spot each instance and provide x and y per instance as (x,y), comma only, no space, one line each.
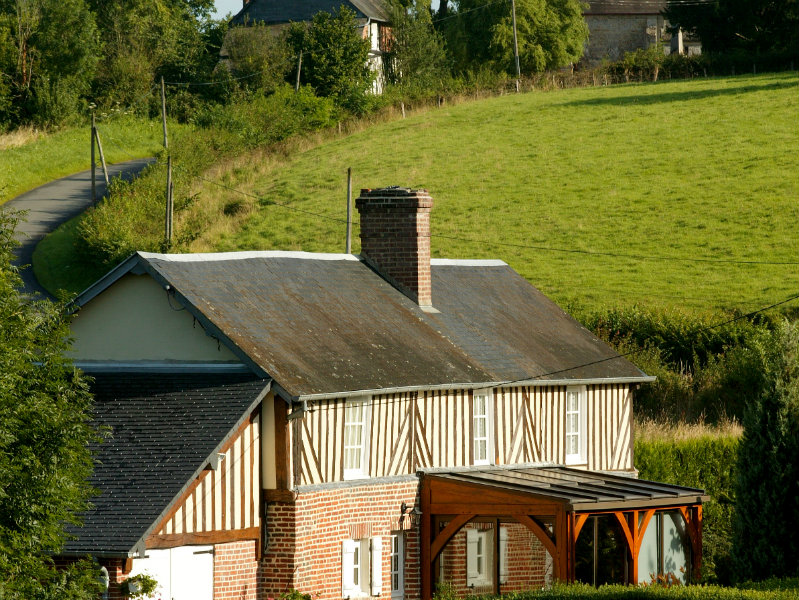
(134,320)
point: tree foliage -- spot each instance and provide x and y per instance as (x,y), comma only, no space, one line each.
(753,26)
(768,466)
(44,436)
(416,57)
(334,56)
(551,34)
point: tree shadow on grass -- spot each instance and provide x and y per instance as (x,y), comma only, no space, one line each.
(685,96)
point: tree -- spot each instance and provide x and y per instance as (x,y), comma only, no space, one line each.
(334,56)
(733,25)
(44,436)
(551,34)
(416,56)
(768,465)
(48,55)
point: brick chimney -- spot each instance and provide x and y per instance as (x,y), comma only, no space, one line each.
(395,238)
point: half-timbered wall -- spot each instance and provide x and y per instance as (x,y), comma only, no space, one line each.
(415,430)
(220,500)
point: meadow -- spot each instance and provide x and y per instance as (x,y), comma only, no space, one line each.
(681,193)
(673,194)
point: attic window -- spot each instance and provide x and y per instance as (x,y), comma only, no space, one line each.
(575,425)
(480,427)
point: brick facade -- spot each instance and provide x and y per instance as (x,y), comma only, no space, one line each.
(236,571)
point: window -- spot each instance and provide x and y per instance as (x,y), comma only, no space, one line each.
(397,564)
(481,427)
(355,434)
(361,567)
(575,425)
(665,548)
(478,545)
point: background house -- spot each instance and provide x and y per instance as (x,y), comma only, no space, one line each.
(355,426)
(371,15)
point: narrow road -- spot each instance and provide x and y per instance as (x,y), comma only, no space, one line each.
(54,203)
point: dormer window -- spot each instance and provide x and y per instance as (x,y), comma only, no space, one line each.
(356,416)
(481,407)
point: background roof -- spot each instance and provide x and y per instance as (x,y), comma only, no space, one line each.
(625,7)
(327,324)
(280,11)
(164,427)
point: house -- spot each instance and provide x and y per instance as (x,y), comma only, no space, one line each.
(371,15)
(615,28)
(360,426)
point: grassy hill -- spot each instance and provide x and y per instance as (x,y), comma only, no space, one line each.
(675,193)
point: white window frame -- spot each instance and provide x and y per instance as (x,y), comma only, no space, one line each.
(578,392)
(362,450)
(478,552)
(359,560)
(397,564)
(480,396)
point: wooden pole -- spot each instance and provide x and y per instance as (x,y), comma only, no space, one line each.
(163,111)
(349,210)
(515,45)
(299,70)
(102,156)
(168,215)
(94,166)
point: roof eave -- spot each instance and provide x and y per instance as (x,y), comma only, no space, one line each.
(461,386)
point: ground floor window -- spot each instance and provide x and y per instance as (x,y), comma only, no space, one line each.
(665,549)
(397,564)
(601,552)
(361,567)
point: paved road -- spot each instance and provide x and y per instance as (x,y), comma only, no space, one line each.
(54,203)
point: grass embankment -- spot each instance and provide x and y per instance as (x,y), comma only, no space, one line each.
(29,158)
(599,196)
(701,169)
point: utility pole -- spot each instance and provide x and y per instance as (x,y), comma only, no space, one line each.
(163,111)
(299,70)
(94,166)
(515,45)
(349,210)
(168,211)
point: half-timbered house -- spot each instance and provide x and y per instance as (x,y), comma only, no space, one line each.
(360,426)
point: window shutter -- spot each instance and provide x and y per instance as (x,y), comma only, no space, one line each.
(376,570)
(471,557)
(348,583)
(503,555)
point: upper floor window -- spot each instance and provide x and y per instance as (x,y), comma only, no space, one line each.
(356,419)
(481,407)
(575,425)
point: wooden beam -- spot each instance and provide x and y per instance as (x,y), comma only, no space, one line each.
(174,540)
(446,535)
(281,444)
(426,539)
(282,496)
(579,521)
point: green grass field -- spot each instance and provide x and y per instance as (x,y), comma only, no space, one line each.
(24,167)
(641,194)
(599,196)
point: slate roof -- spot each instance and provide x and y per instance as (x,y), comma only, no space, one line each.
(324,325)
(625,7)
(273,12)
(164,427)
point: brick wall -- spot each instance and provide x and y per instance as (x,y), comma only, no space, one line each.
(236,571)
(304,549)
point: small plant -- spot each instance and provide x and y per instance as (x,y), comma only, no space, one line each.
(139,586)
(446,591)
(293,594)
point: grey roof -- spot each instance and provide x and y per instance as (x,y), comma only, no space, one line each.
(581,491)
(328,325)
(164,428)
(625,7)
(272,12)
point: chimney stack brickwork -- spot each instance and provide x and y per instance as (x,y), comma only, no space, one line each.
(395,238)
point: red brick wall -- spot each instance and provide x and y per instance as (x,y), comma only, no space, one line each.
(304,549)
(235,571)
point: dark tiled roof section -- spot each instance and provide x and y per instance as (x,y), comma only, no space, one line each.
(280,11)
(516,332)
(328,326)
(164,426)
(320,326)
(625,7)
